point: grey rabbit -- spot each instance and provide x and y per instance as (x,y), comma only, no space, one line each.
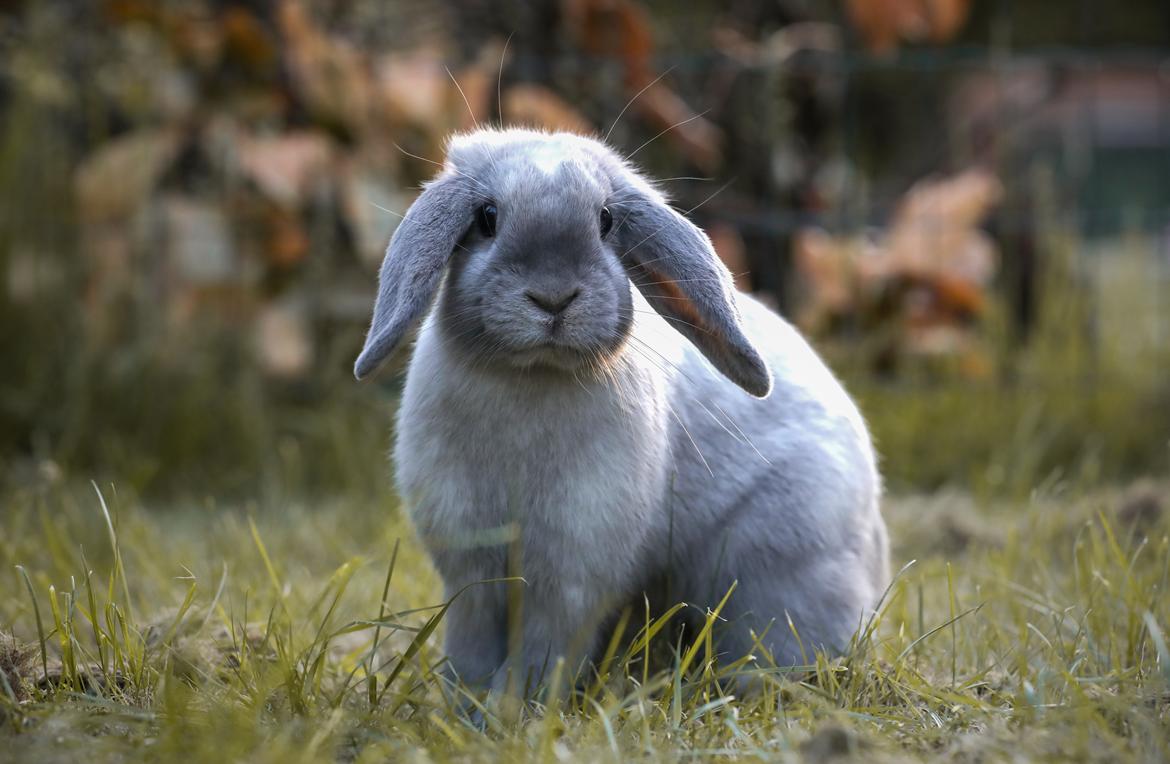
(586,375)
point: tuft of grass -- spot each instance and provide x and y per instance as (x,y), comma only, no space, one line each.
(1034,629)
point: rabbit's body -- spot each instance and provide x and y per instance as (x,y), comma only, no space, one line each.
(646,467)
(580,481)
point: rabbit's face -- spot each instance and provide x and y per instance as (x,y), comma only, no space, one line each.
(536,281)
(538,241)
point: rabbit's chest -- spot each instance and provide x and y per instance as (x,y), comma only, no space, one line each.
(574,477)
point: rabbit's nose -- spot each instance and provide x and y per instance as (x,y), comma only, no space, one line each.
(552,303)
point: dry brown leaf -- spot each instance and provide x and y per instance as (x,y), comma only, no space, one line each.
(885,24)
(927,275)
(114,181)
(329,75)
(412,88)
(284,167)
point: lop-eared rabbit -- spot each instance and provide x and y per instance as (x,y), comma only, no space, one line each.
(592,406)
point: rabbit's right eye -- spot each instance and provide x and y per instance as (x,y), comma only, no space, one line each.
(485,218)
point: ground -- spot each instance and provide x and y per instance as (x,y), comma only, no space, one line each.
(1021,630)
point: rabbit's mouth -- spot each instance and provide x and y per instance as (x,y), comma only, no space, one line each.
(568,342)
(567,351)
(557,354)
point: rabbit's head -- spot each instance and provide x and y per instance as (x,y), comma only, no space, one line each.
(540,237)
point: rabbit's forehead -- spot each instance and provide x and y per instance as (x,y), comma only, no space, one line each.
(513,169)
(548,176)
(549,158)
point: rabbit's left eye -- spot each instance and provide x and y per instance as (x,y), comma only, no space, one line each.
(485,218)
(606,220)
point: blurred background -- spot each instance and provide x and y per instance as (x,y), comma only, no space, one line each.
(964,203)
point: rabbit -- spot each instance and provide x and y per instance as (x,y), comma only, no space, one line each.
(591,405)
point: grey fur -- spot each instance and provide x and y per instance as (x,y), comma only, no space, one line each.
(414,264)
(664,255)
(598,452)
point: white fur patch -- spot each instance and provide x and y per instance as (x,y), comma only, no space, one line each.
(549,157)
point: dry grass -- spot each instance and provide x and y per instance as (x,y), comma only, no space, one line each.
(1025,630)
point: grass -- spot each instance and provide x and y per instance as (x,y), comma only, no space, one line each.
(1023,630)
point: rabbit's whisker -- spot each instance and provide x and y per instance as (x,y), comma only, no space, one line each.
(692,118)
(466,103)
(470,111)
(672,318)
(664,365)
(711,196)
(682,177)
(697,280)
(687,432)
(630,102)
(446,166)
(405,221)
(659,230)
(500,79)
(742,435)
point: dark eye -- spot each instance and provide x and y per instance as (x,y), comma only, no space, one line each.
(485,218)
(606,220)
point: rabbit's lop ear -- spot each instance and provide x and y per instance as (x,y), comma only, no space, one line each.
(414,265)
(674,265)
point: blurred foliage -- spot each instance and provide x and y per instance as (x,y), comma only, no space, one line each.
(1075,405)
(194,409)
